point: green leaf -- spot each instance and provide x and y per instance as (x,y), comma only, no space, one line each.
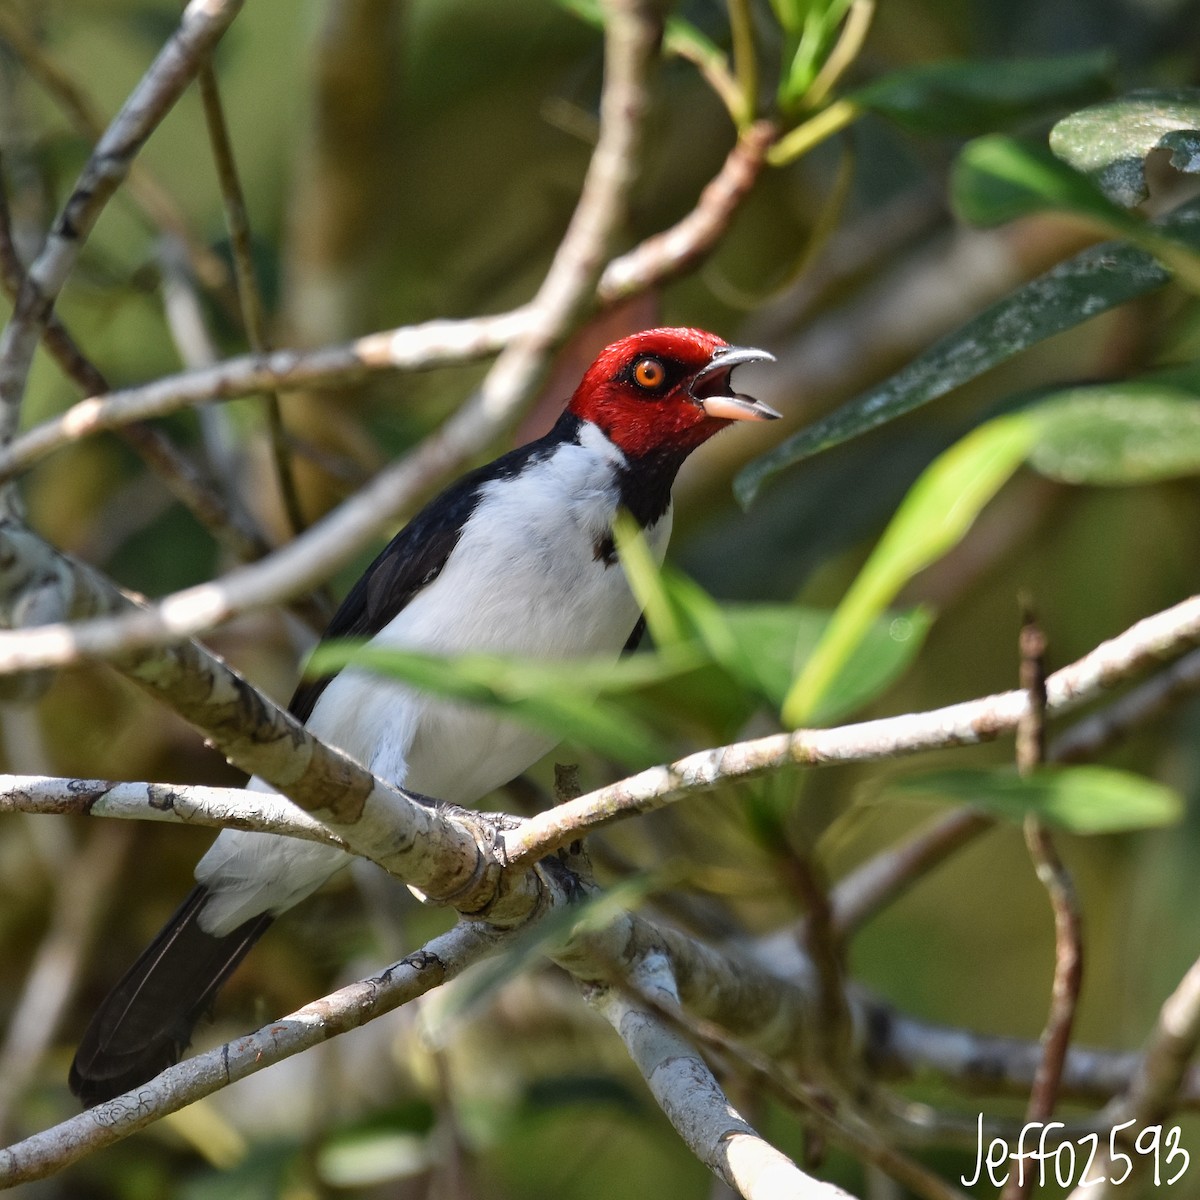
(806,54)
(646,581)
(937,512)
(776,639)
(1110,141)
(1118,433)
(566,699)
(997,179)
(888,646)
(1084,799)
(1093,282)
(789,14)
(970,97)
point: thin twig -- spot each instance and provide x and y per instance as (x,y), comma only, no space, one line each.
(237,222)
(867,889)
(1096,733)
(654,986)
(653,262)
(191,804)
(664,256)
(431,848)
(1156,1088)
(229,525)
(632,32)
(203,22)
(84,115)
(873,885)
(816,935)
(415,347)
(1068,931)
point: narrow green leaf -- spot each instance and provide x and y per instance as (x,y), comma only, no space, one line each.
(789,14)
(566,699)
(818,34)
(887,648)
(1110,141)
(1118,433)
(976,96)
(646,582)
(1084,799)
(998,179)
(1093,282)
(937,512)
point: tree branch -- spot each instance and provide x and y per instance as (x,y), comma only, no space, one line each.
(175,804)
(347,1008)
(687,1091)
(203,22)
(431,848)
(1157,1086)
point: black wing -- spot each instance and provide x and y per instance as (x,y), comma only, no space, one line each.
(416,556)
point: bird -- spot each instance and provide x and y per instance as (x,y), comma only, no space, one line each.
(515,558)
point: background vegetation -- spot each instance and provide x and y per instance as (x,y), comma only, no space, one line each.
(402,162)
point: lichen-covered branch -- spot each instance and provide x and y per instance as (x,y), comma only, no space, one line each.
(176,804)
(687,1091)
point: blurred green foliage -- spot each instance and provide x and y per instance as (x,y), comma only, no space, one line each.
(466,127)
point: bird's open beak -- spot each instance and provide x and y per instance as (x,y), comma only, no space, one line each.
(713,391)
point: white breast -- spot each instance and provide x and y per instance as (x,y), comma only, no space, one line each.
(524,580)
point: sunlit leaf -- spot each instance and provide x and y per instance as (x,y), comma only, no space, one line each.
(1084,799)
(680,36)
(1118,433)
(1110,141)
(776,639)
(1093,282)
(937,512)
(683,38)
(789,13)
(997,179)
(974,96)
(646,581)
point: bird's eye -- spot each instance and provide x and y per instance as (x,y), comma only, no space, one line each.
(649,373)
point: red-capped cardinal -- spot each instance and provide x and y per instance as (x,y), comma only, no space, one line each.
(515,558)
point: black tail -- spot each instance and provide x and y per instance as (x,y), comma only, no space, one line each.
(146,1021)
